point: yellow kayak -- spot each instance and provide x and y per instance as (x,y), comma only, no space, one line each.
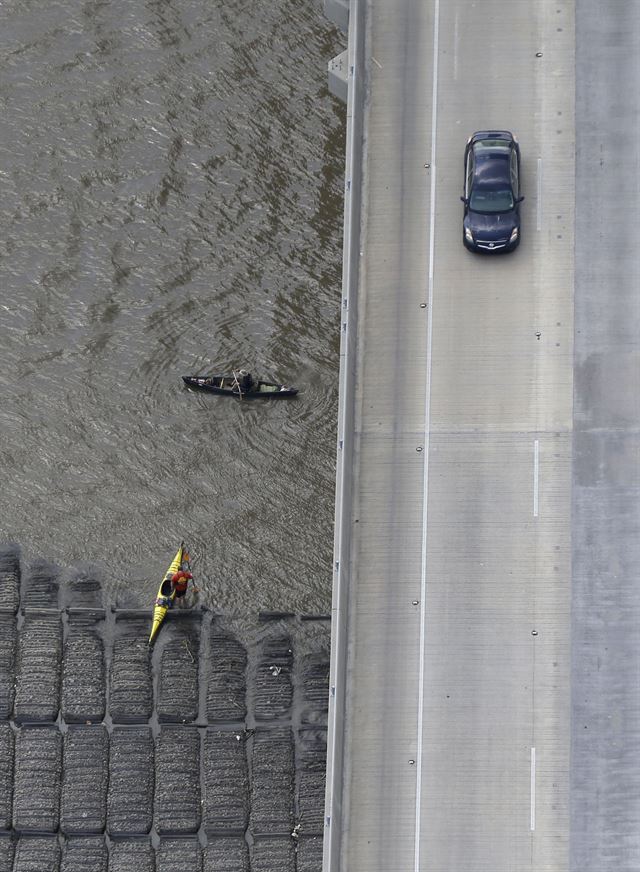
(166,592)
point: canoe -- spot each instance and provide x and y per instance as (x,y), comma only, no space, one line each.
(228,384)
(166,593)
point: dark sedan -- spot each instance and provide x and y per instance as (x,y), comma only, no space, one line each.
(491,192)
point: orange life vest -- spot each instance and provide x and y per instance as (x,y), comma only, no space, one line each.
(180,581)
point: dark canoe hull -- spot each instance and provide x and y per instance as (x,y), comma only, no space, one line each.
(226,385)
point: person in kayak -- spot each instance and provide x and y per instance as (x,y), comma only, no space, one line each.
(180,582)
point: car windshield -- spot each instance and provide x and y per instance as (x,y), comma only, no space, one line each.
(491,200)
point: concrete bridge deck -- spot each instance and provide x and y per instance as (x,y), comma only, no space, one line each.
(465,508)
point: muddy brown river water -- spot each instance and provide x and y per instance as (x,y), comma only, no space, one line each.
(171,203)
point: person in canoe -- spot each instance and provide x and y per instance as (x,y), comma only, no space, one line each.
(244,380)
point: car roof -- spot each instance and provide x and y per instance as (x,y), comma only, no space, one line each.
(491,166)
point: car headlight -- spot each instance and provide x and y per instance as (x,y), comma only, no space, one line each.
(514,235)
(468,235)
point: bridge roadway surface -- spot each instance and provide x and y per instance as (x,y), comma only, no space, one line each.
(458,674)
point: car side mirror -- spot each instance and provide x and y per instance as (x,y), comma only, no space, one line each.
(464,200)
(520,199)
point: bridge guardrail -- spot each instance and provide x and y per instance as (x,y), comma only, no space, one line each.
(356,87)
